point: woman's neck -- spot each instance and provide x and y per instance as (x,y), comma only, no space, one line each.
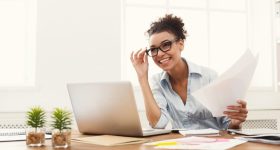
(180,72)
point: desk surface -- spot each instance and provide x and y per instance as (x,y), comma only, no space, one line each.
(82,146)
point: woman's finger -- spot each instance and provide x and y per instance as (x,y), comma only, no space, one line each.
(241,119)
(235,114)
(146,57)
(233,107)
(237,109)
(135,55)
(131,56)
(141,53)
(242,103)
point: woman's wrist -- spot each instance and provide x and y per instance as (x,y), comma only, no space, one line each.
(234,126)
(143,78)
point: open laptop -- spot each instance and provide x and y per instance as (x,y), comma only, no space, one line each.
(107,108)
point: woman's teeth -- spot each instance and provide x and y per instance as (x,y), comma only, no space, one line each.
(164,60)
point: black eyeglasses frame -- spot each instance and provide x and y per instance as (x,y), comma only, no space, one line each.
(149,53)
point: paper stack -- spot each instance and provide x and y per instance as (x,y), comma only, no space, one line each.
(201,132)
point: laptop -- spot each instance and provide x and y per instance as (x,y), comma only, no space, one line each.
(107,108)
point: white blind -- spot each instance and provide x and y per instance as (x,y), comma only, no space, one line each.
(17,42)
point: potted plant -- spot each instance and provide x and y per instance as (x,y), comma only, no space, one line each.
(36,119)
(61,124)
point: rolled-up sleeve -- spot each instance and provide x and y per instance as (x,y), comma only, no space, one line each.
(223,122)
(161,102)
(164,117)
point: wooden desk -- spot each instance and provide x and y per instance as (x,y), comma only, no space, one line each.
(81,146)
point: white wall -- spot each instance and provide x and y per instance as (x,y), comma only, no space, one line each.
(77,41)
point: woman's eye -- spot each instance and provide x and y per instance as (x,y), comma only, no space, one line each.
(153,49)
(166,44)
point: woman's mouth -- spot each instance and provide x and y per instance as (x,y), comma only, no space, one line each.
(164,60)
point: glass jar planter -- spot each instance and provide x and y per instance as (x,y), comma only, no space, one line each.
(61,139)
(35,136)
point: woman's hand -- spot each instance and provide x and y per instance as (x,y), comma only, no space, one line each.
(139,60)
(237,114)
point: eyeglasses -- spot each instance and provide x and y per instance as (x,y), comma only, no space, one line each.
(164,47)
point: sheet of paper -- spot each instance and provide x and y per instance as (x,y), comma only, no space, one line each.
(197,143)
(199,132)
(109,140)
(228,87)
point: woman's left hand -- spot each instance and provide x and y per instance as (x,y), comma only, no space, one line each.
(237,114)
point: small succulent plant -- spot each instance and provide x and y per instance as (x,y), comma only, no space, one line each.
(61,119)
(61,122)
(36,117)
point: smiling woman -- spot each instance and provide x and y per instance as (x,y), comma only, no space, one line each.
(168,95)
(17,48)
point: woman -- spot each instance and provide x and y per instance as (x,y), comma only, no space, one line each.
(168,95)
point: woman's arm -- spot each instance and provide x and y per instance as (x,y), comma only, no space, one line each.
(139,60)
(152,110)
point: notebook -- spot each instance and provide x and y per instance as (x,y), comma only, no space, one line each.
(266,138)
(254,131)
(7,135)
(107,108)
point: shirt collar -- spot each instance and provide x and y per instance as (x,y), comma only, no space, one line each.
(193,68)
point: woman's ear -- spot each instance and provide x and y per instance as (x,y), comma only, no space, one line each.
(181,45)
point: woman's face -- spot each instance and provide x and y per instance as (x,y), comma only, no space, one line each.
(166,60)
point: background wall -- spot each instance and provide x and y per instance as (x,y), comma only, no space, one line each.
(77,41)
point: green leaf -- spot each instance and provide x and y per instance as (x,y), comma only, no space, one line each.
(36,117)
(62,119)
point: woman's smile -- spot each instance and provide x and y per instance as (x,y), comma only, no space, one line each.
(164,60)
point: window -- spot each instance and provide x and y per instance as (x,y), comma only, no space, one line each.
(219,31)
(17,42)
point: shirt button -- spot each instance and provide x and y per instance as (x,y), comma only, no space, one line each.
(189,115)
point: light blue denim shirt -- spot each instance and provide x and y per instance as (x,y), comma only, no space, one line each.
(192,115)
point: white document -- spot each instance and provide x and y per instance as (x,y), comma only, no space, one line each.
(228,87)
(209,131)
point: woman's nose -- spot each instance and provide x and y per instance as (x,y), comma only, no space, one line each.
(160,53)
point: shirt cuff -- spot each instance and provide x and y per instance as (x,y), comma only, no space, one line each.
(226,124)
(162,122)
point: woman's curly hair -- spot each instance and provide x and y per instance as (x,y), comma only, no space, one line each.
(169,23)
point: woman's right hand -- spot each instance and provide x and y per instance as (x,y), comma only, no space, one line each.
(139,60)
